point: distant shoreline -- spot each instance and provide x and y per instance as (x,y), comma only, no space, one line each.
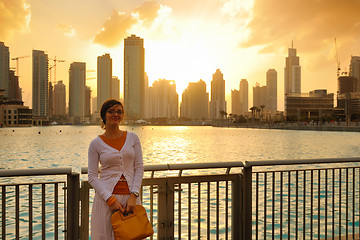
(296,127)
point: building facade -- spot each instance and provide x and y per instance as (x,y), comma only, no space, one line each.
(14,114)
(163,99)
(195,101)
(271,87)
(217,103)
(244,96)
(134,77)
(14,92)
(4,68)
(346,84)
(355,71)
(235,102)
(40,84)
(77,76)
(115,88)
(301,106)
(292,73)
(60,99)
(104,79)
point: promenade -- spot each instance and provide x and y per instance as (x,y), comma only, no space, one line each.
(282,199)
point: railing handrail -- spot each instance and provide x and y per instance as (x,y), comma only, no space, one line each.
(185,166)
(259,163)
(35,172)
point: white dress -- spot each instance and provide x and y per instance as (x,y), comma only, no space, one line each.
(113,164)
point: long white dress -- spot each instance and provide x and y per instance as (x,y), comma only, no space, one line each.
(113,163)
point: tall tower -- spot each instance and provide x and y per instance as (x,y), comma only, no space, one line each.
(271,84)
(195,101)
(134,77)
(244,96)
(77,76)
(115,88)
(217,102)
(104,76)
(4,68)
(355,71)
(59,99)
(40,84)
(292,73)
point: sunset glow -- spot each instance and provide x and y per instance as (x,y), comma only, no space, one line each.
(186,40)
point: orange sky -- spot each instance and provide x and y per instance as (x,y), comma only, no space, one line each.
(187,40)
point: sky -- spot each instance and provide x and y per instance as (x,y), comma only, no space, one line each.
(187,40)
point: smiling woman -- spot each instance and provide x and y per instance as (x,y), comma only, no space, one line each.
(118,156)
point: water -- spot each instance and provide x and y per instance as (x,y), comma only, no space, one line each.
(66,146)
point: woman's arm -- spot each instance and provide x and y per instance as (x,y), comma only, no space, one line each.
(93,169)
(138,166)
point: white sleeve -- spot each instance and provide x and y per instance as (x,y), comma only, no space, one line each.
(93,169)
(138,166)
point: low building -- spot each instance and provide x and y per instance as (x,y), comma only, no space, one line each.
(14,114)
(306,106)
(349,104)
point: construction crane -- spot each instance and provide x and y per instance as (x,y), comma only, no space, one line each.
(17,63)
(337,61)
(54,66)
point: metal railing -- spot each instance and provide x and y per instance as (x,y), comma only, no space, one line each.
(40,206)
(285,199)
(317,198)
(182,203)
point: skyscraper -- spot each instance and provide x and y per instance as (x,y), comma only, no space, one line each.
(271,84)
(292,73)
(4,68)
(257,95)
(164,99)
(59,99)
(217,103)
(195,101)
(355,71)
(235,102)
(14,92)
(40,84)
(134,78)
(244,96)
(77,76)
(104,76)
(115,88)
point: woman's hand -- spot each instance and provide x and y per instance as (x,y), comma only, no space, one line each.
(117,206)
(130,203)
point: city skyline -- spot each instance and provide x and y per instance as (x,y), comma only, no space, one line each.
(234,37)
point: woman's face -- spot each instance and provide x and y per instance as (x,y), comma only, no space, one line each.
(114,115)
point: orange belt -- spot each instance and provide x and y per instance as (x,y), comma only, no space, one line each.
(121,187)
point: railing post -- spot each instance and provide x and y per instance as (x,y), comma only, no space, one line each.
(247,203)
(165,211)
(73,199)
(84,199)
(236,203)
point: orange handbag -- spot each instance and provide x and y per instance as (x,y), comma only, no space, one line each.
(132,226)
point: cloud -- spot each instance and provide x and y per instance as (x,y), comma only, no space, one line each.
(67,29)
(14,16)
(312,24)
(148,11)
(118,26)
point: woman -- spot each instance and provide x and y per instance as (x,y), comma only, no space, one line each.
(118,184)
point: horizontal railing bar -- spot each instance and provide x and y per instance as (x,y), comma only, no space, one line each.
(307,169)
(34,172)
(34,183)
(184,166)
(258,163)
